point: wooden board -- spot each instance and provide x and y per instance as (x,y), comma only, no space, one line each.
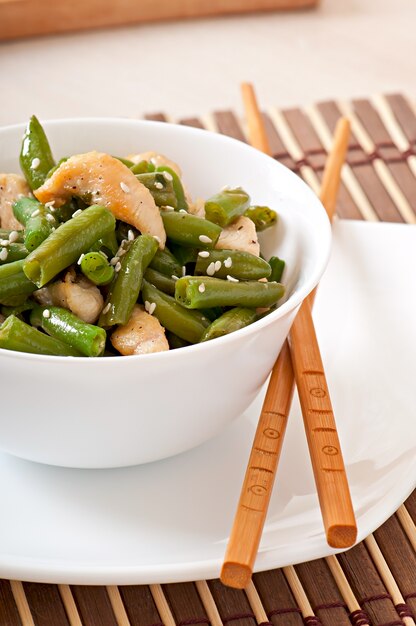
(23,18)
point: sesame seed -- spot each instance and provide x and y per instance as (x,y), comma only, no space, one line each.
(121,252)
(146,305)
(35,163)
(77,213)
(175,277)
(232,279)
(168,176)
(106,308)
(50,217)
(114,260)
(36,213)
(168,208)
(158,185)
(211,269)
(204,239)
(228,262)
(49,205)
(14,236)
(46,314)
(182,211)
(157,238)
(153,160)
(117,267)
(217,266)
(3,254)
(152,308)
(4,242)
(204,254)
(130,235)
(80,259)
(183,270)
(201,288)
(125,187)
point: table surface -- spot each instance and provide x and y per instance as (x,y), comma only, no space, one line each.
(345,49)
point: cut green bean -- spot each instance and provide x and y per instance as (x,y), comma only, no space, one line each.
(15,287)
(202,292)
(36,158)
(262,216)
(143,167)
(230,321)
(166,263)
(66,244)
(160,188)
(125,288)
(95,266)
(176,342)
(125,162)
(18,336)
(107,244)
(38,221)
(189,230)
(28,305)
(277,265)
(12,252)
(63,325)
(226,206)
(188,325)
(223,263)
(162,282)
(184,255)
(181,202)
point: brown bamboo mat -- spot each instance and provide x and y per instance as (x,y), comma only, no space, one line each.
(373,583)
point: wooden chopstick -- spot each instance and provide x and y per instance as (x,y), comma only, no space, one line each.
(258,482)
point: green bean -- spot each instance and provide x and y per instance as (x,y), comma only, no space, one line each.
(65,245)
(18,310)
(107,244)
(19,336)
(38,222)
(175,341)
(13,252)
(95,266)
(188,325)
(14,285)
(36,158)
(184,255)
(262,216)
(277,265)
(166,263)
(5,234)
(182,203)
(189,230)
(63,325)
(160,188)
(201,292)
(161,281)
(143,167)
(125,288)
(241,265)
(230,321)
(125,162)
(226,206)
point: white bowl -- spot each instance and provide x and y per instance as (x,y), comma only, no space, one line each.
(120,411)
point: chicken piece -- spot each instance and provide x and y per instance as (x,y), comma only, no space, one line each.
(105,180)
(240,235)
(156,159)
(198,207)
(142,334)
(77,294)
(12,187)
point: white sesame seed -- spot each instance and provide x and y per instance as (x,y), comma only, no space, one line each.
(36,213)
(182,211)
(35,163)
(183,270)
(106,308)
(80,259)
(204,239)
(158,185)
(50,217)
(117,267)
(217,266)
(157,238)
(168,176)
(114,260)
(125,187)
(232,279)
(211,269)
(228,262)
(146,305)
(5,242)
(14,236)
(130,235)
(152,308)
(204,254)
(50,205)
(46,314)
(77,213)
(3,254)
(104,254)
(201,288)
(121,252)
(175,277)
(153,161)
(168,208)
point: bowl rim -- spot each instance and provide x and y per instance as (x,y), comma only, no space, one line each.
(293,301)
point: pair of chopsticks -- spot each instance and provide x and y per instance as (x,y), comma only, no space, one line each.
(300,361)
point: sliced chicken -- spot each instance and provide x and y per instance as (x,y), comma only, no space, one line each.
(156,159)
(75,293)
(240,235)
(142,334)
(12,187)
(104,180)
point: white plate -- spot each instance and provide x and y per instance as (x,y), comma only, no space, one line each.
(169,521)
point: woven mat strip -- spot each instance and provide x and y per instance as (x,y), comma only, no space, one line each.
(374,582)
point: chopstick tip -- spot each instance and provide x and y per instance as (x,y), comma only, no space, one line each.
(235,575)
(341,536)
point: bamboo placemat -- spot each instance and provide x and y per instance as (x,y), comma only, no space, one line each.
(375,582)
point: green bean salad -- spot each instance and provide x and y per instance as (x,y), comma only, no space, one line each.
(103,255)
